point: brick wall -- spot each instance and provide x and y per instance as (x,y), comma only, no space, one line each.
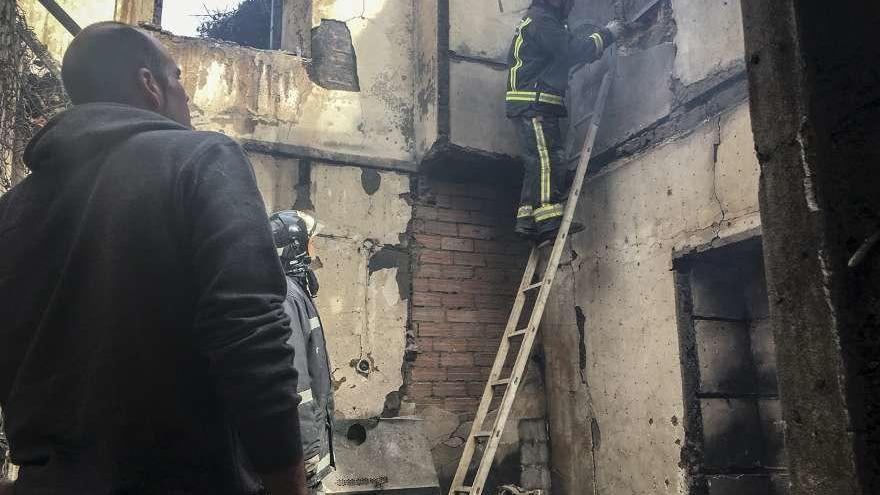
(467,265)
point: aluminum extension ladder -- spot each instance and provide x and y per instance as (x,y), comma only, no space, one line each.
(462,483)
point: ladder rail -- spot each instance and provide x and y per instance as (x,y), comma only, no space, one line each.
(537,314)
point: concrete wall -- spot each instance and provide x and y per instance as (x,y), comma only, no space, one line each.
(267,95)
(674,168)
(362,267)
(681,194)
(479,37)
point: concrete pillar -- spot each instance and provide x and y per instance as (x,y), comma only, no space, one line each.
(814,91)
(137,11)
(296,27)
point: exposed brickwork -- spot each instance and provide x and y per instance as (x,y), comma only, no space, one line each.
(467,264)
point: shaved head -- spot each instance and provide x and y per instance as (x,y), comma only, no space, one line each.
(103,61)
(117,63)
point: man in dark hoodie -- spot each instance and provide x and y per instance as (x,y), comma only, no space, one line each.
(542,53)
(143,333)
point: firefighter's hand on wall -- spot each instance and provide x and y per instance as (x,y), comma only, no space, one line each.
(616,28)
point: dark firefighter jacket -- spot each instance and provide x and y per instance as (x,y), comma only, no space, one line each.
(143,336)
(314,386)
(542,53)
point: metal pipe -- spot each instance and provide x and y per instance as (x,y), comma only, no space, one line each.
(61,15)
(271,24)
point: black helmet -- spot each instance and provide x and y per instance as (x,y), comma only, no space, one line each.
(290,232)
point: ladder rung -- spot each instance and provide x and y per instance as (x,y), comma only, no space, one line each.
(534,286)
(483,434)
(463,489)
(518,333)
(501,382)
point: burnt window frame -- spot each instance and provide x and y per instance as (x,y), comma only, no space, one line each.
(693,461)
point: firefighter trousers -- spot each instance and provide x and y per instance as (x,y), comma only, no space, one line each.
(542,200)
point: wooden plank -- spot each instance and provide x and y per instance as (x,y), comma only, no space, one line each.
(61,16)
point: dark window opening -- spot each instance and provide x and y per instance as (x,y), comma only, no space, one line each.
(733,419)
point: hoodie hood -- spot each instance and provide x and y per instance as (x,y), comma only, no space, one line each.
(86,130)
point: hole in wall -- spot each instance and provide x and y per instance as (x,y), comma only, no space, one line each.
(356,434)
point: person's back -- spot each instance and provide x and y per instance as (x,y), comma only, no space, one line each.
(143,331)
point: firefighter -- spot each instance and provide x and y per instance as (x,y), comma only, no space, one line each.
(542,53)
(292,231)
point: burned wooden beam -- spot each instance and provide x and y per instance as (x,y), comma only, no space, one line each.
(62,16)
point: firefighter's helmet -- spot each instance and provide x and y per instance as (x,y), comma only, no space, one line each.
(291,231)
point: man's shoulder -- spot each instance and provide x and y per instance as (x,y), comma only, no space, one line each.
(186,149)
(190,141)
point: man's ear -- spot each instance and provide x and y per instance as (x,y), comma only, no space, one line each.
(150,89)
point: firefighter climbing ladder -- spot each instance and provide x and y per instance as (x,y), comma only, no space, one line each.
(510,384)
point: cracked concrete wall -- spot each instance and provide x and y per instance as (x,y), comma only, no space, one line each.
(675,168)
(709,39)
(267,96)
(363,301)
(626,384)
(362,263)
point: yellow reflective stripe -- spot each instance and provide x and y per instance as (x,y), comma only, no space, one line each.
(547,212)
(556,100)
(516,47)
(324,463)
(306,396)
(600,43)
(315,465)
(525,212)
(530,96)
(544,154)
